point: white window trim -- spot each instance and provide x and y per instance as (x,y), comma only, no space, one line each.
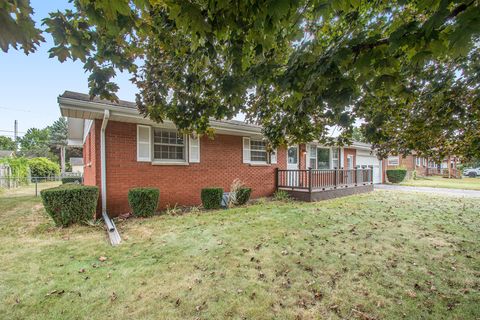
(274,155)
(338,157)
(330,156)
(168,162)
(191,146)
(257,163)
(418,161)
(149,143)
(395,159)
(350,156)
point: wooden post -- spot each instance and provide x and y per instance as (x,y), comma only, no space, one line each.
(276,178)
(449,167)
(310,180)
(335,178)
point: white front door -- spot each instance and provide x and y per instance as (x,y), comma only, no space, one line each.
(292,164)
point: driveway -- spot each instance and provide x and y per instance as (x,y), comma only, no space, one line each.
(438,191)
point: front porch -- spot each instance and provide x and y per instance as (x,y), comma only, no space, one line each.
(315,185)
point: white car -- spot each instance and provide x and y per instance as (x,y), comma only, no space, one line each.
(472,172)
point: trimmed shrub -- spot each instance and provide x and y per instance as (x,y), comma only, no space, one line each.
(70,203)
(396,175)
(243,194)
(72,180)
(143,201)
(212,198)
(43,167)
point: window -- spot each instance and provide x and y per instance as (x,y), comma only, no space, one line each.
(350,162)
(323,158)
(335,158)
(393,161)
(418,161)
(424,162)
(319,158)
(313,156)
(292,155)
(168,145)
(258,151)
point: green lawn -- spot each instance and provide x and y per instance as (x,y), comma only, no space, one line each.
(381,255)
(439,182)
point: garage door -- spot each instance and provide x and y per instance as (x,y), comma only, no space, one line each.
(364,158)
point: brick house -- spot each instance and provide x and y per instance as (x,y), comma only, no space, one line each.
(122,150)
(421,165)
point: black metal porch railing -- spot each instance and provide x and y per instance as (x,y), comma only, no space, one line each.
(313,179)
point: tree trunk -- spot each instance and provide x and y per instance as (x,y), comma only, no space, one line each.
(62,158)
(449,167)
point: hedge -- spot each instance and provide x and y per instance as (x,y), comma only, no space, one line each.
(212,198)
(143,201)
(396,175)
(70,203)
(43,167)
(72,180)
(243,194)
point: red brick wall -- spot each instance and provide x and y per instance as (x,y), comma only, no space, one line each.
(409,163)
(220,164)
(346,153)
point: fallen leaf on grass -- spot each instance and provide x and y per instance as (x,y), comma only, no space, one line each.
(57,292)
(411,294)
(102,258)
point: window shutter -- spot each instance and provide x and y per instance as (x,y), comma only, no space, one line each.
(273,156)
(194,149)
(144,137)
(246,150)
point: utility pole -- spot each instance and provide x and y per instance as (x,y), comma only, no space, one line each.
(15,134)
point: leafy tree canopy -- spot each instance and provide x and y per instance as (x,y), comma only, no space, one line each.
(295,67)
(17,27)
(35,143)
(59,133)
(6,143)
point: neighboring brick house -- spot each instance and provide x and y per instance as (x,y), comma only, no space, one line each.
(141,153)
(420,165)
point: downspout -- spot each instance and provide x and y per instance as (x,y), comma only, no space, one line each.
(110,225)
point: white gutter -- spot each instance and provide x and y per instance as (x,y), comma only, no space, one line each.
(98,108)
(111,229)
(103,166)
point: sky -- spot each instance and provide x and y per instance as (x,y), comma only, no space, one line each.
(30,85)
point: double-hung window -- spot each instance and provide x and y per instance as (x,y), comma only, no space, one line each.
(168,145)
(335,162)
(418,161)
(319,157)
(393,161)
(258,151)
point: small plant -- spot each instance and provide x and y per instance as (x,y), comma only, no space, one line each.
(414,175)
(211,198)
(281,195)
(194,210)
(70,203)
(173,211)
(243,195)
(143,201)
(236,185)
(396,175)
(77,180)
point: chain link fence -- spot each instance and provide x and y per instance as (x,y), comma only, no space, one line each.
(19,187)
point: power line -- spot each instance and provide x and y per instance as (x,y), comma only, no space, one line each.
(14,109)
(11,131)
